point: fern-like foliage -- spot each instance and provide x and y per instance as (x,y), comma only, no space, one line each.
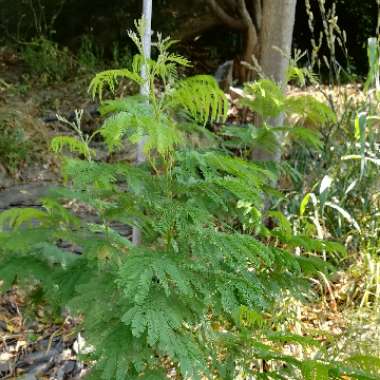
(264,97)
(201,98)
(74,145)
(110,79)
(161,134)
(171,302)
(269,102)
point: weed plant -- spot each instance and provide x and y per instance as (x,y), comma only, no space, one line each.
(16,150)
(45,59)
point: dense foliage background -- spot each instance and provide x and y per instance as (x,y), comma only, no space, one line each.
(67,21)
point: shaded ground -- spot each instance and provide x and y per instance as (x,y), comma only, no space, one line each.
(35,343)
(30,106)
(35,346)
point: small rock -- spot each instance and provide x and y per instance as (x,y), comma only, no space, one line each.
(28,376)
(66,370)
(4,368)
(80,346)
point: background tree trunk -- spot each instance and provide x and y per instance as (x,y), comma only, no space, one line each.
(145,88)
(276,37)
(275,43)
(244,16)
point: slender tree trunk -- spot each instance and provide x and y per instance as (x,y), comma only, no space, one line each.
(145,89)
(276,37)
(276,40)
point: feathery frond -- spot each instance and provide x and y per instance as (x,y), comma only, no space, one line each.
(201,98)
(110,79)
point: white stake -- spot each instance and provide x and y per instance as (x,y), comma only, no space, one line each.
(144,89)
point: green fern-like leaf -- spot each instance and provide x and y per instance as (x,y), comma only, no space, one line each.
(115,128)
(16,217)
(110,79)
(264,97)
(135,105)
(200,98)
(313,370)
(367,363)
(74,145)
(310,109)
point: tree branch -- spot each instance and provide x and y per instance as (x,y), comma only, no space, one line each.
(195,25)
(247,19)
(226,18)
(231,4)
(258,12)
(248,22)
